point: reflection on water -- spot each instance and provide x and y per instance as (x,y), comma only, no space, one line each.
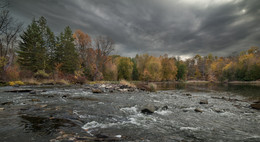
(246,90)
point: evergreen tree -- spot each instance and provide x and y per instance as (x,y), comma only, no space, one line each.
(135,74)
(32,52)
(66,52)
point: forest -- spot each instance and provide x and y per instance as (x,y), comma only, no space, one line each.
(36,53)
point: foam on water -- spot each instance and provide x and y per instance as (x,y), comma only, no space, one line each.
(163,112)
(130,109)
(190,128)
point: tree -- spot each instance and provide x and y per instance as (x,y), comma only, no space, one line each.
(135,73)
(149,67)
(82,43)
(125,68)
(32,52)
(66,52)
(182,70)
(169,70)
(9,30)
(104,46)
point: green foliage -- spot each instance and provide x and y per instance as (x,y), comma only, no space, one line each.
(32,52)
(182,70)
(66,52)
(125,68)
(135,73)
(41,74)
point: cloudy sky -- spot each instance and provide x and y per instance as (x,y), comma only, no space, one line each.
(175,27)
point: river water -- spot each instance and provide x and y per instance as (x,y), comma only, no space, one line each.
(74,113)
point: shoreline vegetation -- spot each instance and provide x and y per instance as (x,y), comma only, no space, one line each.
(41,57)
(32,82)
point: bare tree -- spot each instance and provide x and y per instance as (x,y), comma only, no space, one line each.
(9,30)
(104,46)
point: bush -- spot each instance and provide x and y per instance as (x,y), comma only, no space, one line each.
(41,74)
(12,73)
(12,83)
(152,87)
(124,82)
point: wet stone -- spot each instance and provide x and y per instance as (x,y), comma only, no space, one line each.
(255,106)
(198,110)
(97,91)
(165,107)
(20,91)
(7,103)
(203,101)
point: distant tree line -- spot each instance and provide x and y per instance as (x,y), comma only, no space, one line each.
(78,57)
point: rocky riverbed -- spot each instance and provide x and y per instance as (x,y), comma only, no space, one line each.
(109,112)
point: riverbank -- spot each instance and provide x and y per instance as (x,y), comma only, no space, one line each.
(65,82)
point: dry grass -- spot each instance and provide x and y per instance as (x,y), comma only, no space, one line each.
(31,81)
(124,82)
(62,82)
(152,87)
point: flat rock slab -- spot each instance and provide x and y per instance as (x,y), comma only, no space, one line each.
(255,106)
(19,91)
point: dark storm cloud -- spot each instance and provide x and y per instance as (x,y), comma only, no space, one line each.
(175,27)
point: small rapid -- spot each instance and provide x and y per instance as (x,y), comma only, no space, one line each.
(74,113)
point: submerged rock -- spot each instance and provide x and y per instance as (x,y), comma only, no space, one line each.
(7,103)
(187,94)
(203,101)
(165,107)
(217,110)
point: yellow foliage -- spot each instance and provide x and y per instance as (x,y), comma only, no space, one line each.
(228,66)
(12,83)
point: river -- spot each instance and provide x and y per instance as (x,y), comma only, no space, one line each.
(184,112)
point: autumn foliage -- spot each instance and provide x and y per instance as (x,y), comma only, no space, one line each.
(78,57)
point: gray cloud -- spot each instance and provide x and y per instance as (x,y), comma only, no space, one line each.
(175,27)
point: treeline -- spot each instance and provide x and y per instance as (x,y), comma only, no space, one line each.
(78,57)
(242,67)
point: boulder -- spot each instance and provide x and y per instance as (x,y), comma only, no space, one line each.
(255,106)
(203,101)
(198,110)
(96,90)
(148,109)
(1,109)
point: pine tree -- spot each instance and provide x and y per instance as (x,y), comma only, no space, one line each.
(32,53)
(66,52)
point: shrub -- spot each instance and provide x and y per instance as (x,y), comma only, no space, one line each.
(41,74)
(12,83)
(124,82)
(12,73)
(152,87)
(62,82)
